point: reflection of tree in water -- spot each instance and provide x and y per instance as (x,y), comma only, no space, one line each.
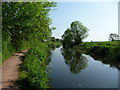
(74,59)
(49,53)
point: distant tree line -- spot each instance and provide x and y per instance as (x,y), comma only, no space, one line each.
(53,39)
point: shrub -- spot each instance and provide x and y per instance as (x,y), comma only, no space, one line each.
(35,64)
(115,53)
(7,48)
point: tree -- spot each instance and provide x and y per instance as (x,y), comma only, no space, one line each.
(26,21)
(74,35)
(113,37)
(57,40)
(53,39)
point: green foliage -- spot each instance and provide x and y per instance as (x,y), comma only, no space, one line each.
(25,26)
(53,39)
(22,81)
(7,48)
(115,52)
(57,40)
(109,49)
(0,57)
(24,23)
(34,64)
(74,35)
(53,43)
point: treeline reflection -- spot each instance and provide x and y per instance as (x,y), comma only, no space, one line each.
(75,59)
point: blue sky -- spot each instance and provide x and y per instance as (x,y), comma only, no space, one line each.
(101,18)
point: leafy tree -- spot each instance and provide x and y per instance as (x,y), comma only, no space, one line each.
(26,21)
(23,24)
(75,34)
(57,39)
(53,39)
(113,37)
(26,25)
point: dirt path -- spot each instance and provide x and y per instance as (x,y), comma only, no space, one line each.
(9,70)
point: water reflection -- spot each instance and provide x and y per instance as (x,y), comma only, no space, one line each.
(75,59)
(111,63)
(73,69)
(52,48)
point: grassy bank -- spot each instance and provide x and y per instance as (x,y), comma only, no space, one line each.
(33,70)
(110,49)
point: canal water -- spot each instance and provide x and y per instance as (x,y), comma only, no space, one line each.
(70,69)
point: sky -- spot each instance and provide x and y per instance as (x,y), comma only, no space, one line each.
(101,18)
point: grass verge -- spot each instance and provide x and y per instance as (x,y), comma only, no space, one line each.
(33,70)
(110,49)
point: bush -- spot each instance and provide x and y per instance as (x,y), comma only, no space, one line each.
(7,48)
(35,64)
(115,53)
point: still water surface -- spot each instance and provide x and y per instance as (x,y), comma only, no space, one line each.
(69,69)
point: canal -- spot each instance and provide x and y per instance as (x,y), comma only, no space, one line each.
(71,69)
